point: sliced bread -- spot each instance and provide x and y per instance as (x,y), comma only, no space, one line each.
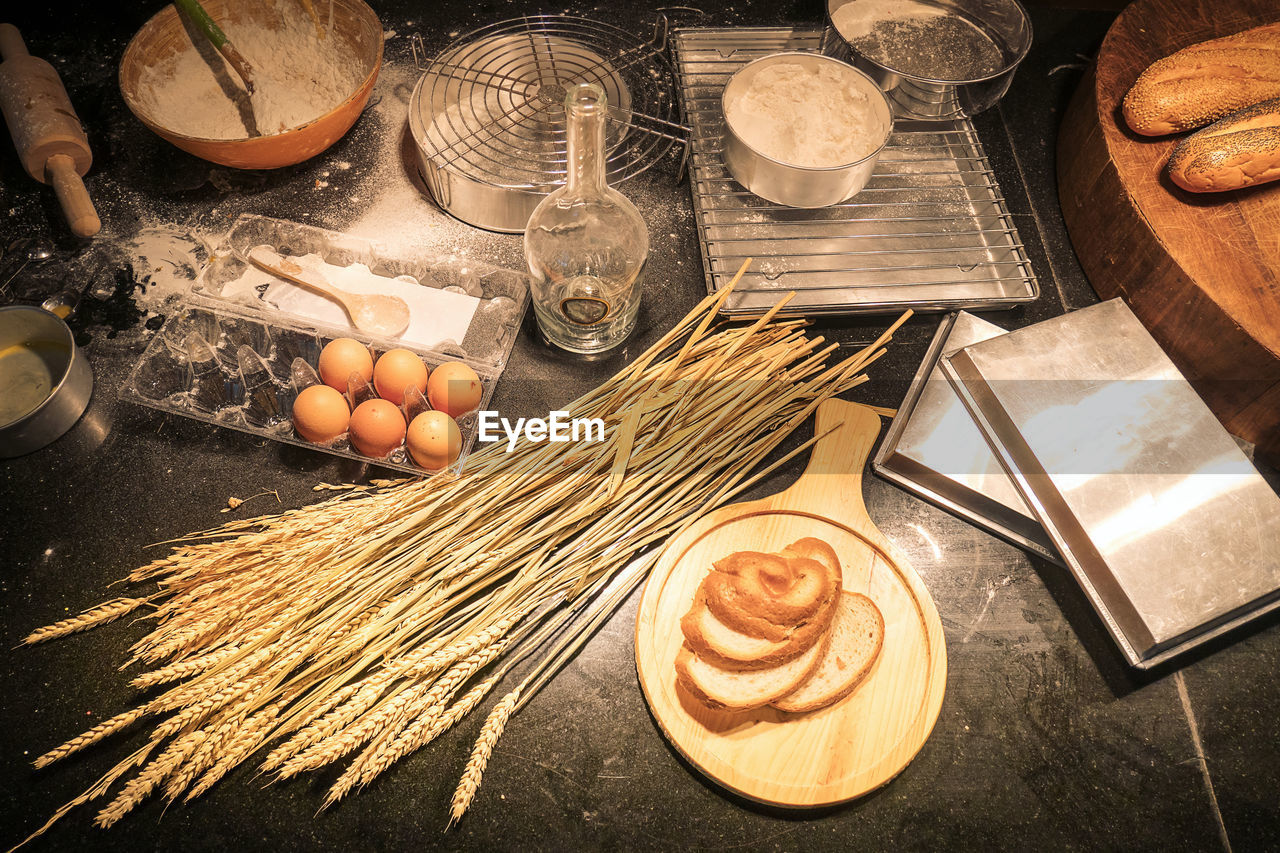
(769,595)
(744,689)
(853,645)
(729,648)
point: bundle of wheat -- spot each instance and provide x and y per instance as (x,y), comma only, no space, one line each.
(376,620)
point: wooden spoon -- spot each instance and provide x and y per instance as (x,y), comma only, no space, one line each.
(377,314)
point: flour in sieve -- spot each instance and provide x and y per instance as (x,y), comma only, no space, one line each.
(809,117)
(298,79)
(911,37)
(857,19)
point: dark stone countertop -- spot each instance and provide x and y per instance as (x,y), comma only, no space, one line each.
(1046,740)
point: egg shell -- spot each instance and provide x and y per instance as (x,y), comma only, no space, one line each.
(340,358)
(454,388)
(320,414)
(377,428)
(434,440)
(397,370)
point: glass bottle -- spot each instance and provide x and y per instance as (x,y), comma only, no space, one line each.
(585,243)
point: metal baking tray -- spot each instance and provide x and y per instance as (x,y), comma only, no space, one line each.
(1171,532)
(931,230)
(934,449)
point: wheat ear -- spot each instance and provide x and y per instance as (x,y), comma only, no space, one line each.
(104,729)
(255,731)
(470,782)
(106,612)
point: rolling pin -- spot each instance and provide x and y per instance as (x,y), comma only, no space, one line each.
(50,141)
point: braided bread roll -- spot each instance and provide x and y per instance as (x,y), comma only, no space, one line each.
(1206,81)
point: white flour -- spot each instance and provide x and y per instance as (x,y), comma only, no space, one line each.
(165,260)
(298,78)
(435,316)
(805,117)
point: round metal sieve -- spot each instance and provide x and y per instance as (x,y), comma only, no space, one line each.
(488,120)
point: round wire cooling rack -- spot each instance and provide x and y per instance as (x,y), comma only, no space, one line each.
(488,115)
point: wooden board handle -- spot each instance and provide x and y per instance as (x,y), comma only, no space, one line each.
(72,195)
(833,478)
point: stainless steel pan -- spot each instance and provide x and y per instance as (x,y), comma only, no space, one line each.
(932,96)
(35,329)
(799,186)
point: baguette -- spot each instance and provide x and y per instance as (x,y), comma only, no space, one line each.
(1241,150)
(1204,82)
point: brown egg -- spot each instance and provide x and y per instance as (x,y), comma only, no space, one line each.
(340,358)
(320,414)
(434,441)
(377,428)
(454,389)
(397,370)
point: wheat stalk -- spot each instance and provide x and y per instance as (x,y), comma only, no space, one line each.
(356,621)
(106,612)
(559,654)
(429,725)
(104,729)
(479,759)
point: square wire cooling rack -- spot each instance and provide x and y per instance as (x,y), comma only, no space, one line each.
(931,230)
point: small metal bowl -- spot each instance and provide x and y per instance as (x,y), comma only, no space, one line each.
(933,97)
(800,186)
(42,335)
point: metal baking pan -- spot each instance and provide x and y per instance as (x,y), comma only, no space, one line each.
(1002,25)
(934,450)
(930,231)
(1169,529)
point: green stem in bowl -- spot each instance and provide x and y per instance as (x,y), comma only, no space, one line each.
(198,16)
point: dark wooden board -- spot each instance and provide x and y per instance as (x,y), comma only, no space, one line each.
(1202,271)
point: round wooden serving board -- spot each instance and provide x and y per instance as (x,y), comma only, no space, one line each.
(1200,270)
(858,744)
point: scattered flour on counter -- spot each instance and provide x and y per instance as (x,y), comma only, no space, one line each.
(298,78)
(812,117)
(166,262)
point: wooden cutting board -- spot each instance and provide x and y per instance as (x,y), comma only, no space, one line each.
(1200,270)
(860,743)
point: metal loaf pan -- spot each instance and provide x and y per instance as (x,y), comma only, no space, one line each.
(1171,532)
(934,450)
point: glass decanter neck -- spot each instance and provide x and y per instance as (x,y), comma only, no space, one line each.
(586,111)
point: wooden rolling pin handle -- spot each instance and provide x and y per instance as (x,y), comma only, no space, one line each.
(76,205)
(11,44)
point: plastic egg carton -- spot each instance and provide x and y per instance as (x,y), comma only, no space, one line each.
(238,363)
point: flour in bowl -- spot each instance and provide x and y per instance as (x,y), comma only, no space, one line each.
(812,117)
(298,79)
